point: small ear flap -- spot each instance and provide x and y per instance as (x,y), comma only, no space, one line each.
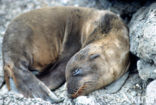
(94,56)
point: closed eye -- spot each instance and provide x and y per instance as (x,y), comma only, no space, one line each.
(94,56)
(77,72)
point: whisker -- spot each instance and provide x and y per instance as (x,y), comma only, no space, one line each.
(79,91)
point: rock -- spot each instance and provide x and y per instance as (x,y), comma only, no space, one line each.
(1,71)
(146,70)
(82,3)
(151,93)
(128,95)
(124,8)
(82,100)
(17,99)
(143,40)
(3,90)
(1,80)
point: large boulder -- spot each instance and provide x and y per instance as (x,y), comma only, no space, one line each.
(143,40)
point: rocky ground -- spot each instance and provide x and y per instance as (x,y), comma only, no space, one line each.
(141,18)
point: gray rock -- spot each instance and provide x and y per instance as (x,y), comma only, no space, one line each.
(146,70)
(3,90)
(151,93)
(82,3)
(128,95)
(143,40)
(17,99)
(124,8)
(1,71)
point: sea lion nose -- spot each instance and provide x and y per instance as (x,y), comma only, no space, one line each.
(71,89)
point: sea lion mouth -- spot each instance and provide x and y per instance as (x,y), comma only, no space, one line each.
(79,91)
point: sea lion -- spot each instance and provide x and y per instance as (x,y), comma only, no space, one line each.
(45,39)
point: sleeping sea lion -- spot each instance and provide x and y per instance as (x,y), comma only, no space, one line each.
(88,48)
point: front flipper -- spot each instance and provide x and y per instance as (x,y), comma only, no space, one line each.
(27,84)
(116,85)
(30,86)
(55,77)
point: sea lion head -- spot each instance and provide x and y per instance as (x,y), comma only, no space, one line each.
(84,70)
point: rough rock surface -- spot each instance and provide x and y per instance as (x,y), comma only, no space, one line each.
(125,8)
(143,40)
(1,71)
(17,99)
(146,70)
(151,93)
(128,95)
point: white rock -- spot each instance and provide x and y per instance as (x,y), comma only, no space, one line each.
(11,98)
(146,70)
(84,100)
(143,40)
(128,95)
(151,93)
